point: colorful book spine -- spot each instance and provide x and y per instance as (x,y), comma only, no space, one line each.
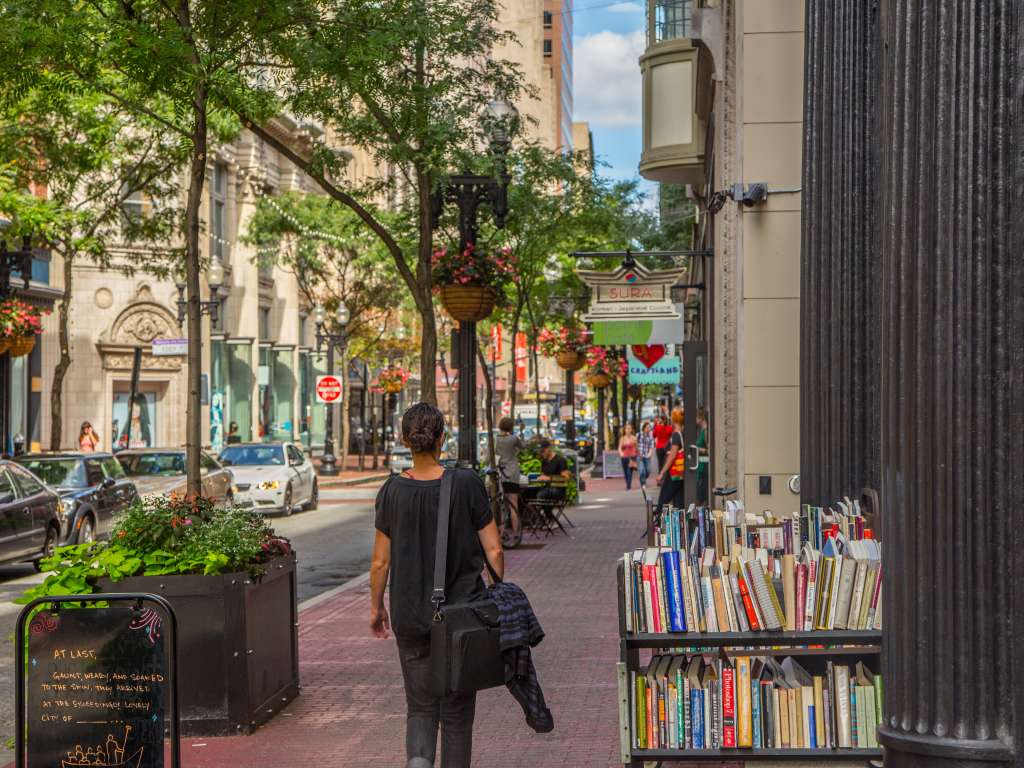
(677,614)
(728,707)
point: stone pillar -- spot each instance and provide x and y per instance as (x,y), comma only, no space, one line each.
(951,297)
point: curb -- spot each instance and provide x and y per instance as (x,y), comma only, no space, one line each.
(329,483)
(314,601)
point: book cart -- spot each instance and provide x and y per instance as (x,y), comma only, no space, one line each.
(812,647)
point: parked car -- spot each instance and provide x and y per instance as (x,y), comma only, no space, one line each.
(32,515)
(93,487)
(272,477)
(159,471)
(401,459)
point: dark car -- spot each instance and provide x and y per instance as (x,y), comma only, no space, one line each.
(93,487)
(32,520)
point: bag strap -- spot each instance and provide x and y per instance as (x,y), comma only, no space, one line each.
(444,510)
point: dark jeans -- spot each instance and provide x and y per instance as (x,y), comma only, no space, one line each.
(644,466)
(425,711)
(671,493)
(662,454)
(627,470)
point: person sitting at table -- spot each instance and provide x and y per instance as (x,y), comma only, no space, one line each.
(554,469)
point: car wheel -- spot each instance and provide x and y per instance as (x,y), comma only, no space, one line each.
(87,533)
(49,545)
(314,497)
(288,508)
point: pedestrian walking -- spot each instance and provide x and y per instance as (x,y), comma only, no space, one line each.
(507,447)
(403,555)
(88,439)
(645,452)
(628,454)
(662,436)
(672,473)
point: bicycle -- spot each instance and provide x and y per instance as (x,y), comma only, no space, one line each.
(501,507)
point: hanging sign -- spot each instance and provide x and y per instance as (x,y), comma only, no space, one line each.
(632,292)
(618,333)
(651,364)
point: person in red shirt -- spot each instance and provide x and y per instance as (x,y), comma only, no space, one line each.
(662,433)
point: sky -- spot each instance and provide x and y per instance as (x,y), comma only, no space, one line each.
(608,38)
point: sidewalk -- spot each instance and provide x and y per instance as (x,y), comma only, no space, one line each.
(350,474)
(352,706)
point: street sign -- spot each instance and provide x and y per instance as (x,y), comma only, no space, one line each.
(632,292)
(169,347)
(328,389)
(613,333)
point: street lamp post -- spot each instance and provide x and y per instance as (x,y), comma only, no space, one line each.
(328,462)
(468,192)
(20,260)
(215,279)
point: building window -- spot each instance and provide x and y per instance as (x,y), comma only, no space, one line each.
(303,322)
(133,208)
(264,324)
(218,207)
(547,20)
(671,19)
(547,49)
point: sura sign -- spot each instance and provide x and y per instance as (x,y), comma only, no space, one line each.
(631,293)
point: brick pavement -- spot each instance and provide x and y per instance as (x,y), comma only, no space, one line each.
(351,710)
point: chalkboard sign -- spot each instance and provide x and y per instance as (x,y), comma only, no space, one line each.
(96,688)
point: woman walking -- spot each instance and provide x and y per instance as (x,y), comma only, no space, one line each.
(406,523)
(662,433)
(670,476)
(88,440)
(628,453)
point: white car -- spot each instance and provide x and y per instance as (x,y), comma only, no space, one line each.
(272,477)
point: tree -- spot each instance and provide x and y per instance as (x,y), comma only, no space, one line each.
(93,157)
(406,80)
(195,58)
(335,261)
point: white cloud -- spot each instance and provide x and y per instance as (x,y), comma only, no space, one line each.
(606,72)
(626,8)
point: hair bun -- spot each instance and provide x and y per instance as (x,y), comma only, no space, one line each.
(422,427)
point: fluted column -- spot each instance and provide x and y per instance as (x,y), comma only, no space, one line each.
(840,331)
(952,427)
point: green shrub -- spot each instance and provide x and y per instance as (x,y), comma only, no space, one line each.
(160,536)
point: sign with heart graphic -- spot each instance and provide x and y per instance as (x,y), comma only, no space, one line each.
(650,365)
(649,354)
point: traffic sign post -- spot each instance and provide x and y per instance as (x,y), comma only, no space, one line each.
(328,389)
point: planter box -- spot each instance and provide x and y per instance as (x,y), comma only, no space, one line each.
(238,646)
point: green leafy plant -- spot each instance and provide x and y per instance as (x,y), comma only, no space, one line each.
(161,536)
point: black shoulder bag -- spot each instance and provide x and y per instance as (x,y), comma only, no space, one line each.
(465,650)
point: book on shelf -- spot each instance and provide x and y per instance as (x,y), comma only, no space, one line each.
(839,588)
(705,703)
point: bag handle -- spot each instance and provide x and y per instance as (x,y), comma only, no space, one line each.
(444,510)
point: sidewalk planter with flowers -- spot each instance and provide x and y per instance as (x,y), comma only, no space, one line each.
(232,584)
(470,284)
(566,345)
(20,323)
(392,379)
(604,365)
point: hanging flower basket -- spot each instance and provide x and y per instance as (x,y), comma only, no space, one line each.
(22,345)
(5,345)
(599,380)
(468,303)
(469,283)
(570,361)
(392,379)
(605,365)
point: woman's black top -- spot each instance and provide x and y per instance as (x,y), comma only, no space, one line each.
(407,514)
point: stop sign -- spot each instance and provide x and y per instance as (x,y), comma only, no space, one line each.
(328,389)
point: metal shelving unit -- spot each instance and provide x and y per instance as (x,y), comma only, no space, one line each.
(865,643)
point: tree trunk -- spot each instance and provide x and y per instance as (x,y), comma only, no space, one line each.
(513,390)
(373,429)
(64,338)
(489,402)
(424,296)
(535,358)
(193,410)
